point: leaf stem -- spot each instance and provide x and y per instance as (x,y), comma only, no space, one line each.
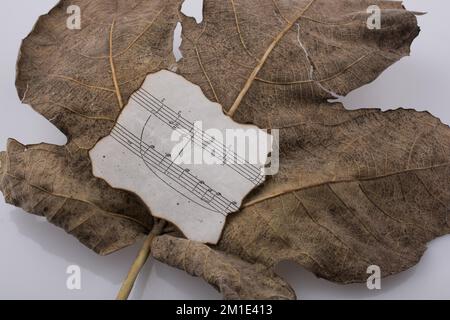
(140,260)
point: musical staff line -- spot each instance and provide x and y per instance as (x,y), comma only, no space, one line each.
(254,177)
(198,189)
(176,173)
(175,120)
(189,126)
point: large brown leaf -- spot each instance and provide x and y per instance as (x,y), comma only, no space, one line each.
(355,187)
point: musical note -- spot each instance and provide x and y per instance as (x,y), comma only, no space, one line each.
(197,185)
(175,123)
(166,162)
(209,195)
(152,147)
(185,171)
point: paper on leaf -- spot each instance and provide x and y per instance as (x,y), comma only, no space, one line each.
(189,162)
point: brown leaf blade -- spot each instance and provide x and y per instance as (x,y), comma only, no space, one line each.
(233,277)
(355,189)
(284,56)
(79,78)
(47,181)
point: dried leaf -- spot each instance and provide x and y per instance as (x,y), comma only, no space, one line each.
(47,181)
(355,188)
(233,277)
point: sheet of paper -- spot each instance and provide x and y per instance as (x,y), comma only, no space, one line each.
(190,163)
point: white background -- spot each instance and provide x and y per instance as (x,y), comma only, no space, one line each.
(34,255)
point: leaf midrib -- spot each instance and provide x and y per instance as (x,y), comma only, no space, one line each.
(296,189)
